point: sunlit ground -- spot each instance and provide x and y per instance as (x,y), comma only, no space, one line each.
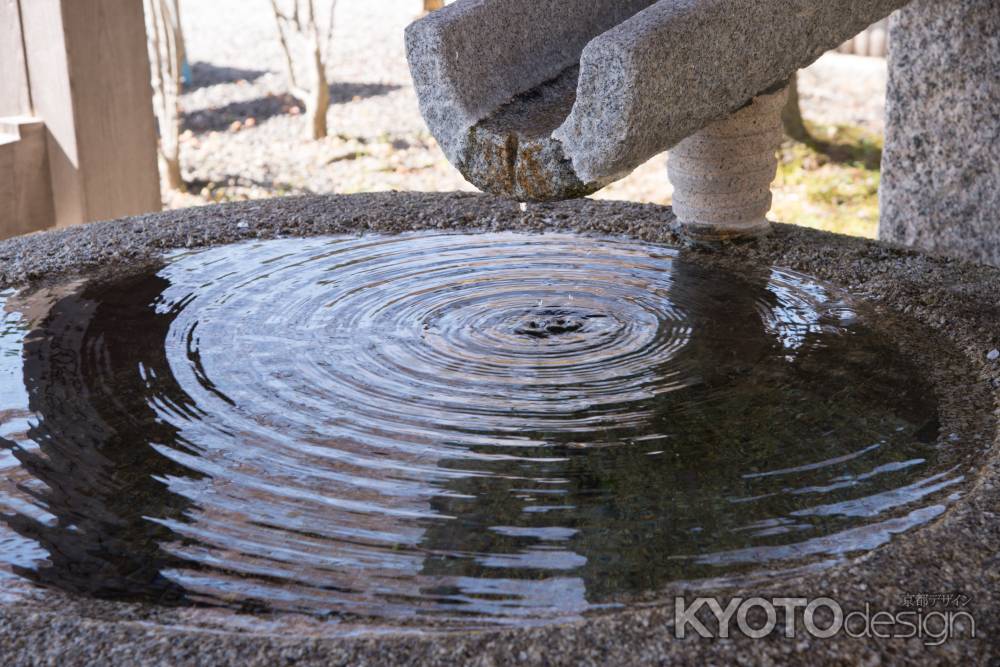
(832,182)
(243,135)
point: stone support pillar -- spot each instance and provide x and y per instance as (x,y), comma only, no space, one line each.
(722,174)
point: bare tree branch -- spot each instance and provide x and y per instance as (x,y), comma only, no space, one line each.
(296,90)
(165,41)
(305,52)
(329,33)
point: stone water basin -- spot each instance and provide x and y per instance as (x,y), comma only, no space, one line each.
(452,429)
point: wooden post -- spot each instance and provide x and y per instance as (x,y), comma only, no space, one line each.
(25,189)
(15,99)
(89,83)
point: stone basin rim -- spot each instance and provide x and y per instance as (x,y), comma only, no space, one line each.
(958,300)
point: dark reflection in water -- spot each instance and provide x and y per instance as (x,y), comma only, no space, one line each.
(99,475)
(489,428)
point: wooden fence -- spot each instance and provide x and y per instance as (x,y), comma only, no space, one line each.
(874,41)
(77,138)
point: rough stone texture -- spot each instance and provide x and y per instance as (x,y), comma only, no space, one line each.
(941,165)
(523,162)
(722,174)
(646,80)
(473,56)
(956,303)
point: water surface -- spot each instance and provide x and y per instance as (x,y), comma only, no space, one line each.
(494,428)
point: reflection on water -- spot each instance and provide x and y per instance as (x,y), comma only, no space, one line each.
(489,428)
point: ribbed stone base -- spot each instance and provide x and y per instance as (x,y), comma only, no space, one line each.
(722,174)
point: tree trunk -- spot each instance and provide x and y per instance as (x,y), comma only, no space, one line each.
(318,102)
(306,48)
(791,115)
(165,40)
(171,169)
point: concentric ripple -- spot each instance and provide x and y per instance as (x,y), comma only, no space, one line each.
(482,429)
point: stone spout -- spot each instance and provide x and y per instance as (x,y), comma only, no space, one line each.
(553,99)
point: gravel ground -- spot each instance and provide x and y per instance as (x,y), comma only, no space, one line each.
(840,89)
(243,138)
(943,312)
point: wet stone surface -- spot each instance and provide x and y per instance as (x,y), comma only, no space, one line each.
(471,429)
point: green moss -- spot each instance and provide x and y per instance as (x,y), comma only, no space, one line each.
(830,182)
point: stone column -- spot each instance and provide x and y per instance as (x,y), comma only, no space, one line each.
(722,174)
(941,167)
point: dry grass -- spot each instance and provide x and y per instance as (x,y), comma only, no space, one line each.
(830,182)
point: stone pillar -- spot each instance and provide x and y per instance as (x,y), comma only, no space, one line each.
(722,174)
(941,167)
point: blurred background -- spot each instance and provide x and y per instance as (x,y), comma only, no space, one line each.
(269,98)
